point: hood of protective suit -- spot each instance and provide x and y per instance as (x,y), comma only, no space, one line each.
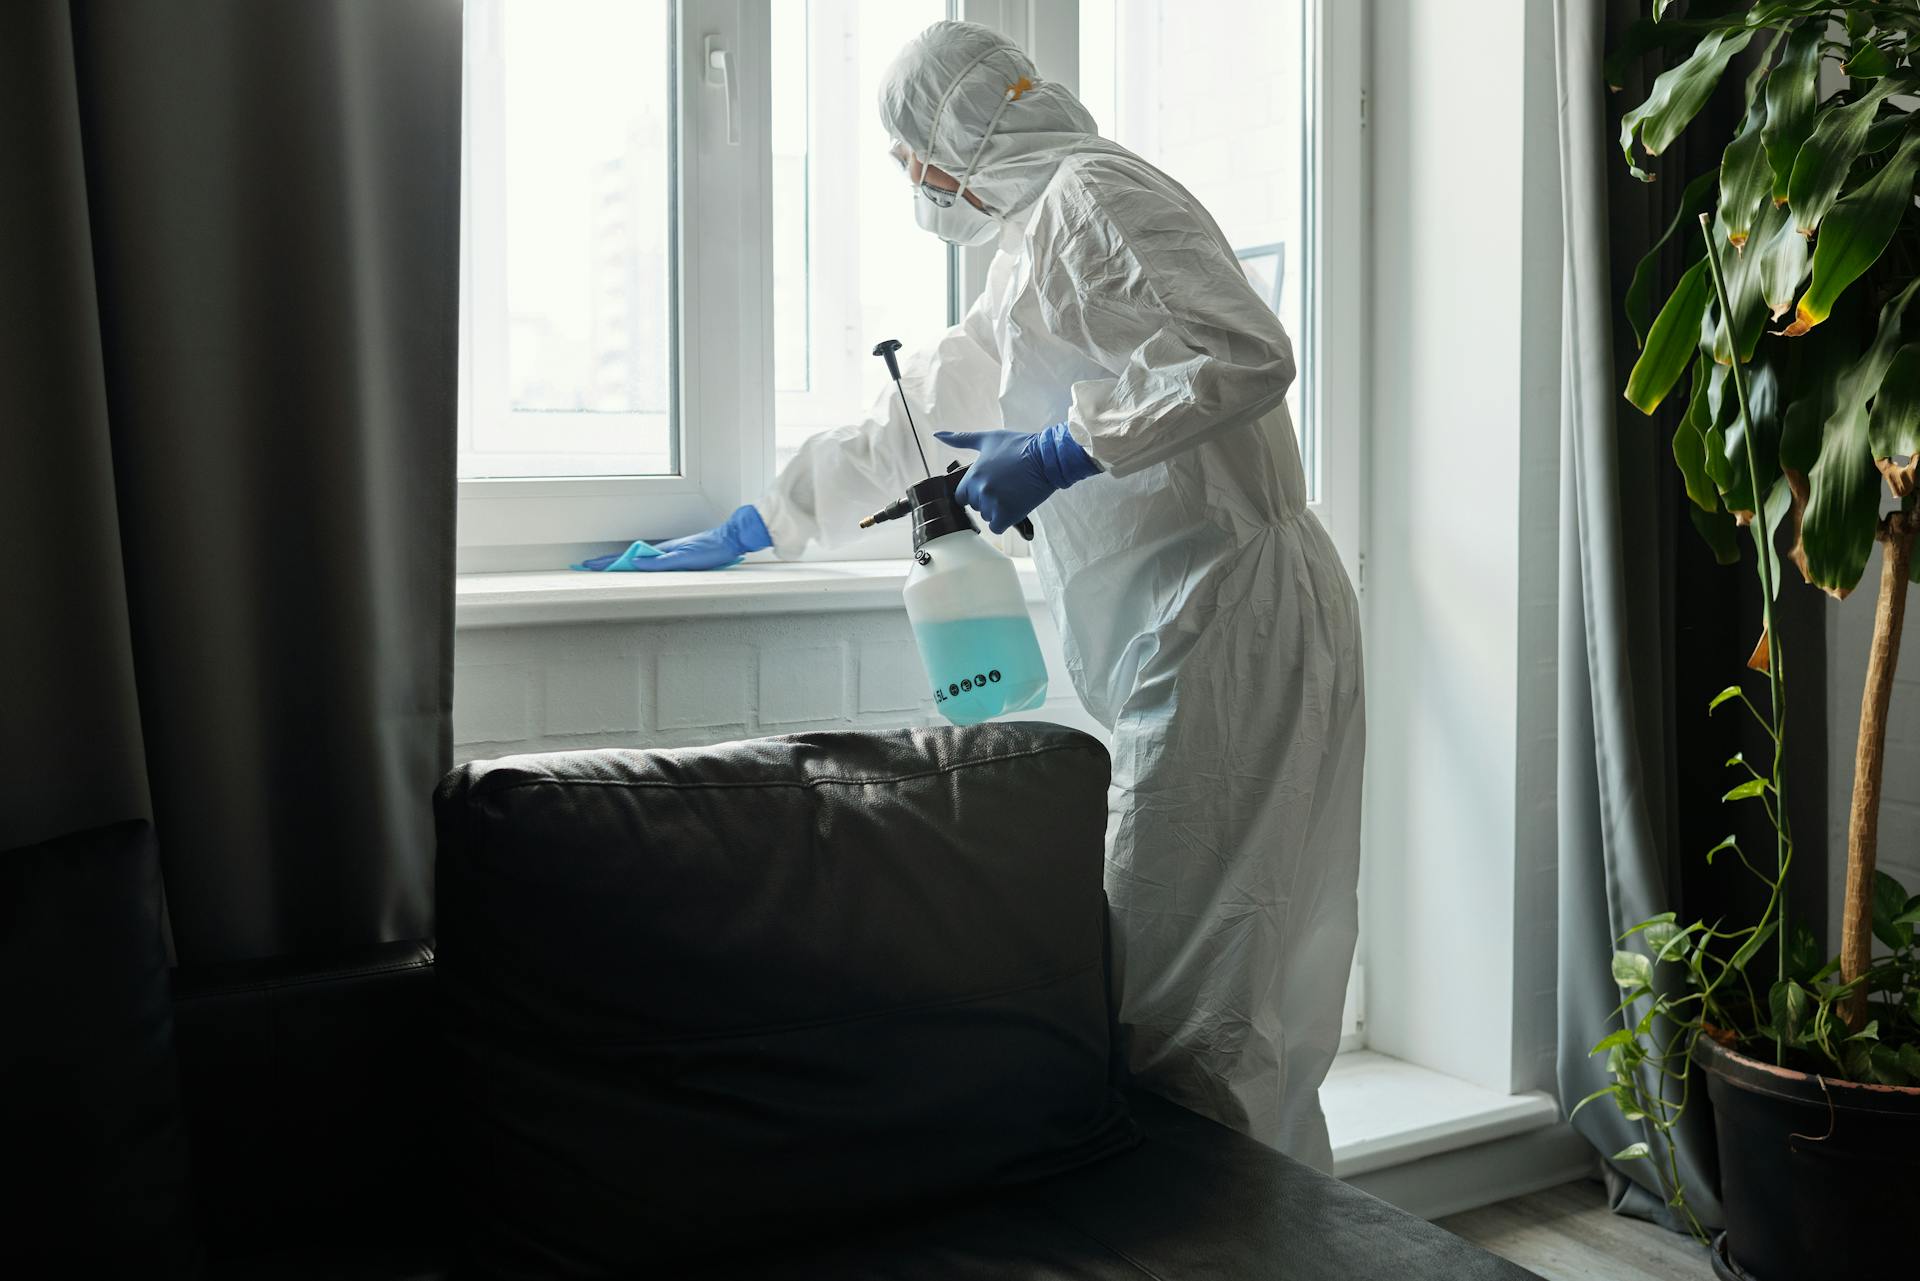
(946,88)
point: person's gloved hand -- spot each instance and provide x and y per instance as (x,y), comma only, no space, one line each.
(1017,470)
(715,548)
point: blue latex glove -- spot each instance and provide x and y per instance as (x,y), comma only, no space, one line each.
(1018,470)
(716,548)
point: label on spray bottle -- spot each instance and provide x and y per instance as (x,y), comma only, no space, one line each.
(982,667)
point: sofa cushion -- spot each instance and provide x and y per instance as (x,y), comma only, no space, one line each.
(91,1125)
(707,998)
(310,1086)
(1194,1200)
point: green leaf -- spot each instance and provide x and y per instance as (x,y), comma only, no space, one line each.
(1910,1059)
(1790,1004)
(1803,953)
(1716,412)
(1894,429)
(1843,499)
(1631,969)
(1886,1064)
(1619,1036)
(1646,35)
(1793,91)
(1755,941)
(1747,791)
(1910,914)
(1871,1032)
(1857,1058)
(1719,531)
(1745,185)
(1820,170)
(1677,96)
(1633,1152)
(1727,843)
(1745,277)
(1754,111)
(1784,258)
(1726,695)
(1855,234)
(1664,918)
(1690,451)
(1671,341)
(1661,937)
(1601,1093)
(1886,129)
(1869,62)
(1695,200)
(1889,903)
(1763,404)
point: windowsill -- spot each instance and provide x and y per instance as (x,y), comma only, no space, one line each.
(1384,1112)
(756,587)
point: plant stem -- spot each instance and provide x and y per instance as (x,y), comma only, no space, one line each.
(1776,659)
(1869,756)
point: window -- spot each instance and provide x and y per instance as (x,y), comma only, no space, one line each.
(570,181)
(1236,144)
(682,234)
(849,266)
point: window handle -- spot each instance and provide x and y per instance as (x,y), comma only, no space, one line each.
(720,74)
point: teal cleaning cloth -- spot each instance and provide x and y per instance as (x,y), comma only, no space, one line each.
(636,551)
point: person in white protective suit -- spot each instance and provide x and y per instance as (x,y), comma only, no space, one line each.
(1121,380)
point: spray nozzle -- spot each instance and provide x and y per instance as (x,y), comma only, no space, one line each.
(892,511)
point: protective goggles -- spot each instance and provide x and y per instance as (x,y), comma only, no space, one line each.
(903,156)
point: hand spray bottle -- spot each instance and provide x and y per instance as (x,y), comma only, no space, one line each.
(963,597)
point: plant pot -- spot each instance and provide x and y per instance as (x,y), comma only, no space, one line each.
(1818,1177)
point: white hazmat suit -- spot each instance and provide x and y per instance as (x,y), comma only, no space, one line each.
(1203,610)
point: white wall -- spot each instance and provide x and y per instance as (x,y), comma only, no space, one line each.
(684,682)
(1462,549)
(1849,631)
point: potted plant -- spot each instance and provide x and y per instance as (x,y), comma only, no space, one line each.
(1796,324)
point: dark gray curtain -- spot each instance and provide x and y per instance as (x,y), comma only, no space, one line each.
(229,244)
(1650,626)
(1617,758)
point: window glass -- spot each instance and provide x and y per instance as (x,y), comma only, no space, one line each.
(1150,72)
(850,267)
(570,174)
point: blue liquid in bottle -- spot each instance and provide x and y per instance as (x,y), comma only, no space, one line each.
(982,667)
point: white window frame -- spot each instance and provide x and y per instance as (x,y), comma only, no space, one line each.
(830,400)
(724,228)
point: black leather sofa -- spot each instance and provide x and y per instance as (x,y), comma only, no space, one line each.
(382,1113)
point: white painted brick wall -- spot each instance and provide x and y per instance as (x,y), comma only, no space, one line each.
(803,684)
(701,680)
(694,681)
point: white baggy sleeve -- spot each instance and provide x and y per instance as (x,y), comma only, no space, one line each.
(1143,285)
(846,473)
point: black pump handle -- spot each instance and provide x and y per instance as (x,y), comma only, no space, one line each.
(885,350)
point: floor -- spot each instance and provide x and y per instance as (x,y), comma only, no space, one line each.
(1568,1234)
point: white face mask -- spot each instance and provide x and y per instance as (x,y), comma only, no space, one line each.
(957,222)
